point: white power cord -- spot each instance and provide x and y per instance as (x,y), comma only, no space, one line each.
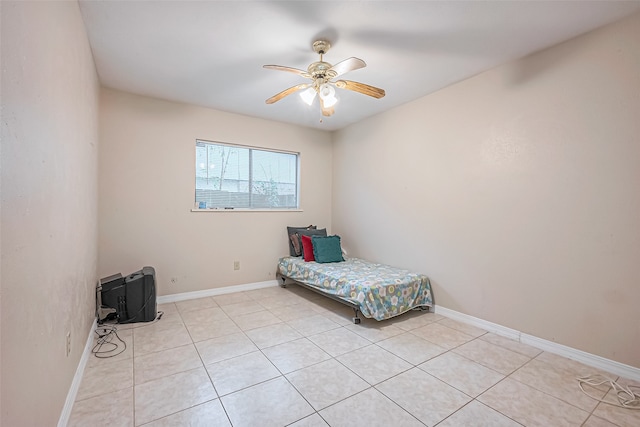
(627,398)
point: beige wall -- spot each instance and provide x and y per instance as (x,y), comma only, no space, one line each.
(517,191)
(147,185)
(49,205)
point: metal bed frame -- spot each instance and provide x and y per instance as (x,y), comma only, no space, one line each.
(356,308)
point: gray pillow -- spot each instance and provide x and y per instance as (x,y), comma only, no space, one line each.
(296,240)
(291,231)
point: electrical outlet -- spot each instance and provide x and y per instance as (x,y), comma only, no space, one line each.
(68,344)
(236,265)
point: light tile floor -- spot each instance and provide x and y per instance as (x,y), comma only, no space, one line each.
(287,356)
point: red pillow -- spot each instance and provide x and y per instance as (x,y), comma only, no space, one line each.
(307,248)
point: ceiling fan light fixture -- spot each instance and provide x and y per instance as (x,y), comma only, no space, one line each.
(328,95)
(327,91)
(308,95)
(330,101)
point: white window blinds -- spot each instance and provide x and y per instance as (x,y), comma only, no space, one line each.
(237,177)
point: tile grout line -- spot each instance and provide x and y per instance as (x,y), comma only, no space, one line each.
(203,366)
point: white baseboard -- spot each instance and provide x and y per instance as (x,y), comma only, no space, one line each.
(77,378)
(215,291)
(617,368)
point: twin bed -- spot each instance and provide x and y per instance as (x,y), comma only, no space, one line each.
(377,291)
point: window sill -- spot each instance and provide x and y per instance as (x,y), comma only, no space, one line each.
(245,210)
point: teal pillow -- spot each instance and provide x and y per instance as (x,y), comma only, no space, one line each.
(327,249)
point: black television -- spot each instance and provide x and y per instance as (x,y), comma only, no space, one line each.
(128,299)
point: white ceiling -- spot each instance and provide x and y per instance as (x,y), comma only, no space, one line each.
(210,53)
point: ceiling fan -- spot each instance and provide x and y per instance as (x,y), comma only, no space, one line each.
(322,75)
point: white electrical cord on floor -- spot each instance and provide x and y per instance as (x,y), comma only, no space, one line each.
(627,398)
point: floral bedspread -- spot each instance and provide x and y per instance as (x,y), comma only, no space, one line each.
(381,291)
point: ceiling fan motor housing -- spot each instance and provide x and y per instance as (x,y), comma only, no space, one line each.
(321,70)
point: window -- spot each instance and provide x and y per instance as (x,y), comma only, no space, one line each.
(236,177)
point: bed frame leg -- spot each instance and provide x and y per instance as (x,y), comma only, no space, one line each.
(355,318)
(282,279)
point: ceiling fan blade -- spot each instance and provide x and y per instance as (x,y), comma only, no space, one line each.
(326,111)
(279,96)
(297,71)
(360,87)
(347,65)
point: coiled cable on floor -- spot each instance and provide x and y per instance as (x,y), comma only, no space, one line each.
(106,346)
(627,398)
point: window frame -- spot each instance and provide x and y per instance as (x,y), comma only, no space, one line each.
(251,149)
